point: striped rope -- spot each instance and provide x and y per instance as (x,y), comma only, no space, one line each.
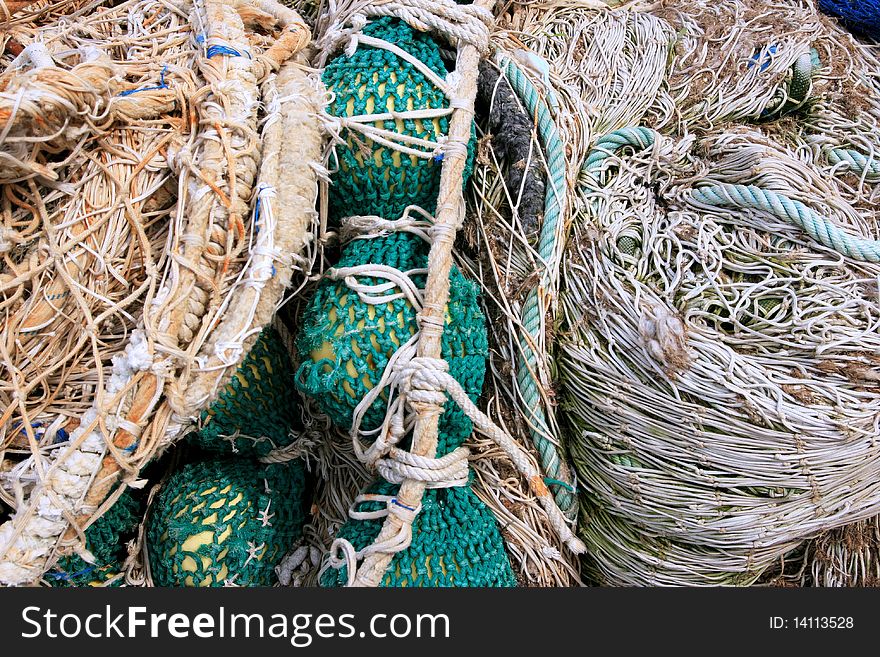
(793,211)
(533,310)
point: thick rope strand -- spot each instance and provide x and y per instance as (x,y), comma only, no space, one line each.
(533,308)
(791,210)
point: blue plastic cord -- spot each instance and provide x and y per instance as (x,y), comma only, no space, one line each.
(65,576)
(223,50)
(765,57)
(397,502)
(161,85)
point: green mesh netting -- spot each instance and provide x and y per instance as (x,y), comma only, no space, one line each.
(375,180)
(225,521)
(258,404)
(105,539)
(456,542)
(345,345)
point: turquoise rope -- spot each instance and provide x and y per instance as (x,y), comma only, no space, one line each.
(856,162)
(554,151)
(607,145)
(779,205)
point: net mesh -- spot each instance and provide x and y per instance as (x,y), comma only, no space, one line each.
(456,543)
(105,541)
(345,345)
(375,179)
(225,522)
(254,412)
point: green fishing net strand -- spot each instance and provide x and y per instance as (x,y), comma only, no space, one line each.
(260,400)
(456,539)
(105,539)
(464,344)
(361,188)
(269,512)
(454,529)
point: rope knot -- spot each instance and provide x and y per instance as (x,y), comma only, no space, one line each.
(424,380)
(449,471)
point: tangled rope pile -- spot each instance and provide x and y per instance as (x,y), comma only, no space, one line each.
(135,275)
(719,304)
(692,318)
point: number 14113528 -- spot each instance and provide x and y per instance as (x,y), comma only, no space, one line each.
(812,623)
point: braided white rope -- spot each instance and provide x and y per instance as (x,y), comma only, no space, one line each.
(426,381)
(423,377)
(448,471)
(460,24)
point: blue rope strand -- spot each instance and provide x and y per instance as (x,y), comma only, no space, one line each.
(161,85)
(213,51)
(862,16)
(66,577)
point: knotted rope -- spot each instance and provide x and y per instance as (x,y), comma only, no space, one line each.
(423,383)
(459,24)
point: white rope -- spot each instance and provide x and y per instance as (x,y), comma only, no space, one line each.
(459,24)
(397,543)
(371,226)
(449,471)
(375,294)
(426,382)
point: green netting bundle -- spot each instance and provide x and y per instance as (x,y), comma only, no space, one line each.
(225,521)
(455,542)
(373,179)
(258,405)
(345,345)
(105,539)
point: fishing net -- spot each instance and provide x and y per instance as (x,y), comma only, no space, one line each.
(351,331)
(668,210)
(105,546)
(225,522)
(717,307)
(215,207)
(530,535)
(356,323)
(381,84)
(456,541)
(254,414)
(153,218)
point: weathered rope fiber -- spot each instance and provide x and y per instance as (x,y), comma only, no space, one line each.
(820,229)
(123,219)
(533,376)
